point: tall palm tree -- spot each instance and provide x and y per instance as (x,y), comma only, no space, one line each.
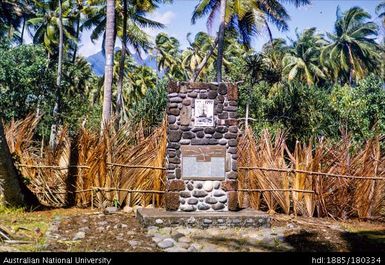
(50,25)
(130,18)
(353,51)
(168,56)
(193,56)
(221,38)
(301,62)
(109,64)
(56,108)
(247,17)
(77,7)
(134,9)
(142,79)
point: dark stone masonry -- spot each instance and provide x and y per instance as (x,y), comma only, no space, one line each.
(195,138)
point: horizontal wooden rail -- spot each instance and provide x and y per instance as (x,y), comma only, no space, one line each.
(135,166)
(74,166)
(272,190)
(290,170)
(51,167)
(128,190)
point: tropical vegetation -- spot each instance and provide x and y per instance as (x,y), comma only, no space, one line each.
(315,84)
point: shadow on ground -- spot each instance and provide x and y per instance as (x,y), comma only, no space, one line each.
(306,241)
(363,241)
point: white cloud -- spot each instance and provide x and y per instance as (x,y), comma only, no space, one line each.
(165,18)
(87,47)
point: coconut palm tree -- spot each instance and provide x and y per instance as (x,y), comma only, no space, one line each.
(301,62)
(143,78)
(193,56)
(109,64)
(77,8)
(353,51)
(130,22)
(247,17)
(134,36)
(50,24)
(168,56)
(44,24)
(56,109)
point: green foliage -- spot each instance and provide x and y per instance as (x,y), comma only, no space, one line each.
(26,81)
(27,85)
(306,112)
(151,107)
(299,109)
(361,109)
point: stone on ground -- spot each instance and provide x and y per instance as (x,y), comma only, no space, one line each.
(166,243)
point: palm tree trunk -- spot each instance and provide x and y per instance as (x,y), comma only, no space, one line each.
(109,50)
(204,61)
(247,115)
(221,40)
(22,31)
(268,31)
(77,37)
(119,97)
(56,109)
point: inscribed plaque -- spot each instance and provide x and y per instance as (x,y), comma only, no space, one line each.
(203,162)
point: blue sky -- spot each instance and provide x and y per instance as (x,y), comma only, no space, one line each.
(177,18)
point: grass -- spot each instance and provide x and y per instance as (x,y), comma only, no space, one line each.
(25,226)
(30,225)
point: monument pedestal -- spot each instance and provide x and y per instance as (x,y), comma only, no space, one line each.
(163,218)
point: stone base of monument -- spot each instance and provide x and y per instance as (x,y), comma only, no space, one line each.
(243,218)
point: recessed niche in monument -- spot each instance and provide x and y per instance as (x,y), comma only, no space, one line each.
(204,112)
(203,162)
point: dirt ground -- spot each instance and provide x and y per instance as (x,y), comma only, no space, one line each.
(328,235)
(86,230)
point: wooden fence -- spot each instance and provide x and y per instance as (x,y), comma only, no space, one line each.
(95,190)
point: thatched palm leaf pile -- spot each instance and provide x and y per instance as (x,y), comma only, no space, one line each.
(49,184)
(90,160)
(333,196)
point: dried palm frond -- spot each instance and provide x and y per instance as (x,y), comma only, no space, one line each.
(48,184)
(268,154)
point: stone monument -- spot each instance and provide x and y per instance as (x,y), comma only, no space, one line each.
(201,155)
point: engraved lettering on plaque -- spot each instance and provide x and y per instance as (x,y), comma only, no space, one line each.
(204,112)
(203,162)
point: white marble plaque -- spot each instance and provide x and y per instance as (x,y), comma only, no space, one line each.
(203,162)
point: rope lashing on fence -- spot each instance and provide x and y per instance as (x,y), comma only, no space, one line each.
(290,170)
